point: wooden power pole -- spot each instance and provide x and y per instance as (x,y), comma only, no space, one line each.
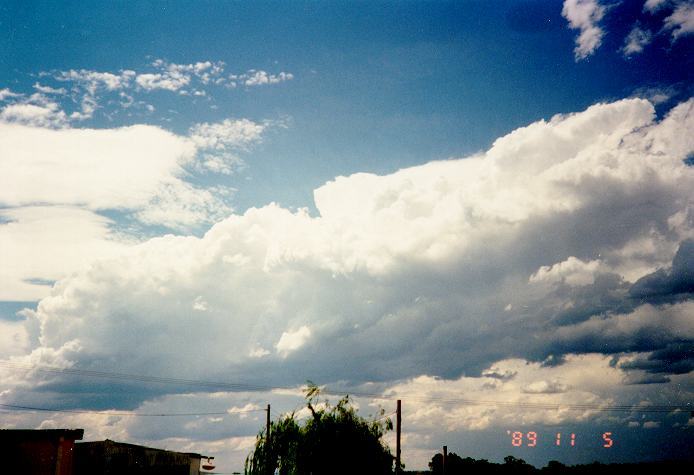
(267,441)
(267,426)
(445,456)
(398,428)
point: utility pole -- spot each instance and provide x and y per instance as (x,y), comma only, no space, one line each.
(267,426)
(398,425)
(267,441)
(445,456)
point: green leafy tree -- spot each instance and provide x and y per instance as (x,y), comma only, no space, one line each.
(333,440)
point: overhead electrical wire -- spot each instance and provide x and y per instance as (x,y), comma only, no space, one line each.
(244,387)
(13,407)
(386,416)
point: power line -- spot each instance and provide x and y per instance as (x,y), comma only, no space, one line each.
(386,416)
(527,405)
(328,391)
(13,407)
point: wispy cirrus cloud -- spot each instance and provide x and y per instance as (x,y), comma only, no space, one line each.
(80,93)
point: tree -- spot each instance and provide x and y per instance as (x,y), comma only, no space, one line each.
(456,465)
(332,440)
(516,465)
(554,466)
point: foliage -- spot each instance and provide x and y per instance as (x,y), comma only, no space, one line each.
(455,465)
(332,440)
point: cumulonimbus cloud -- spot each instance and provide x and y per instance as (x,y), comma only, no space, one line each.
(551,268)
(428,270)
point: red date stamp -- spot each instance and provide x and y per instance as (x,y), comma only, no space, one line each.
(531,439)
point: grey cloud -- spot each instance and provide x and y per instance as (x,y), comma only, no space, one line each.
(611,295)
(638,378)
(674,358)
(677,282)
(606,294)
(553,360)
(500,375)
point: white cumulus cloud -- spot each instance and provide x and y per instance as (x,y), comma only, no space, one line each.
(681,21)
(7,93)
(47,114)
(171,81)
(47,243)
(93,80)
(409,274)
(637,39)
(80,93)
(585,16)
(54,181)
(293,340)
(49,90)
(220,143)
(259,78)
(253,77)
(571,272)
(238,133)
(654,5)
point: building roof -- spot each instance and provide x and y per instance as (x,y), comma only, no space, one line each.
(34,434)
(112,443)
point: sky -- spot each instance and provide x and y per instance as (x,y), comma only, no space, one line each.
(483,209)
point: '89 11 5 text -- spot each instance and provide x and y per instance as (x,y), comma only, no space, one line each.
(532,439)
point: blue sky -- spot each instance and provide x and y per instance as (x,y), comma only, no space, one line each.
(431,196)
(377,86)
